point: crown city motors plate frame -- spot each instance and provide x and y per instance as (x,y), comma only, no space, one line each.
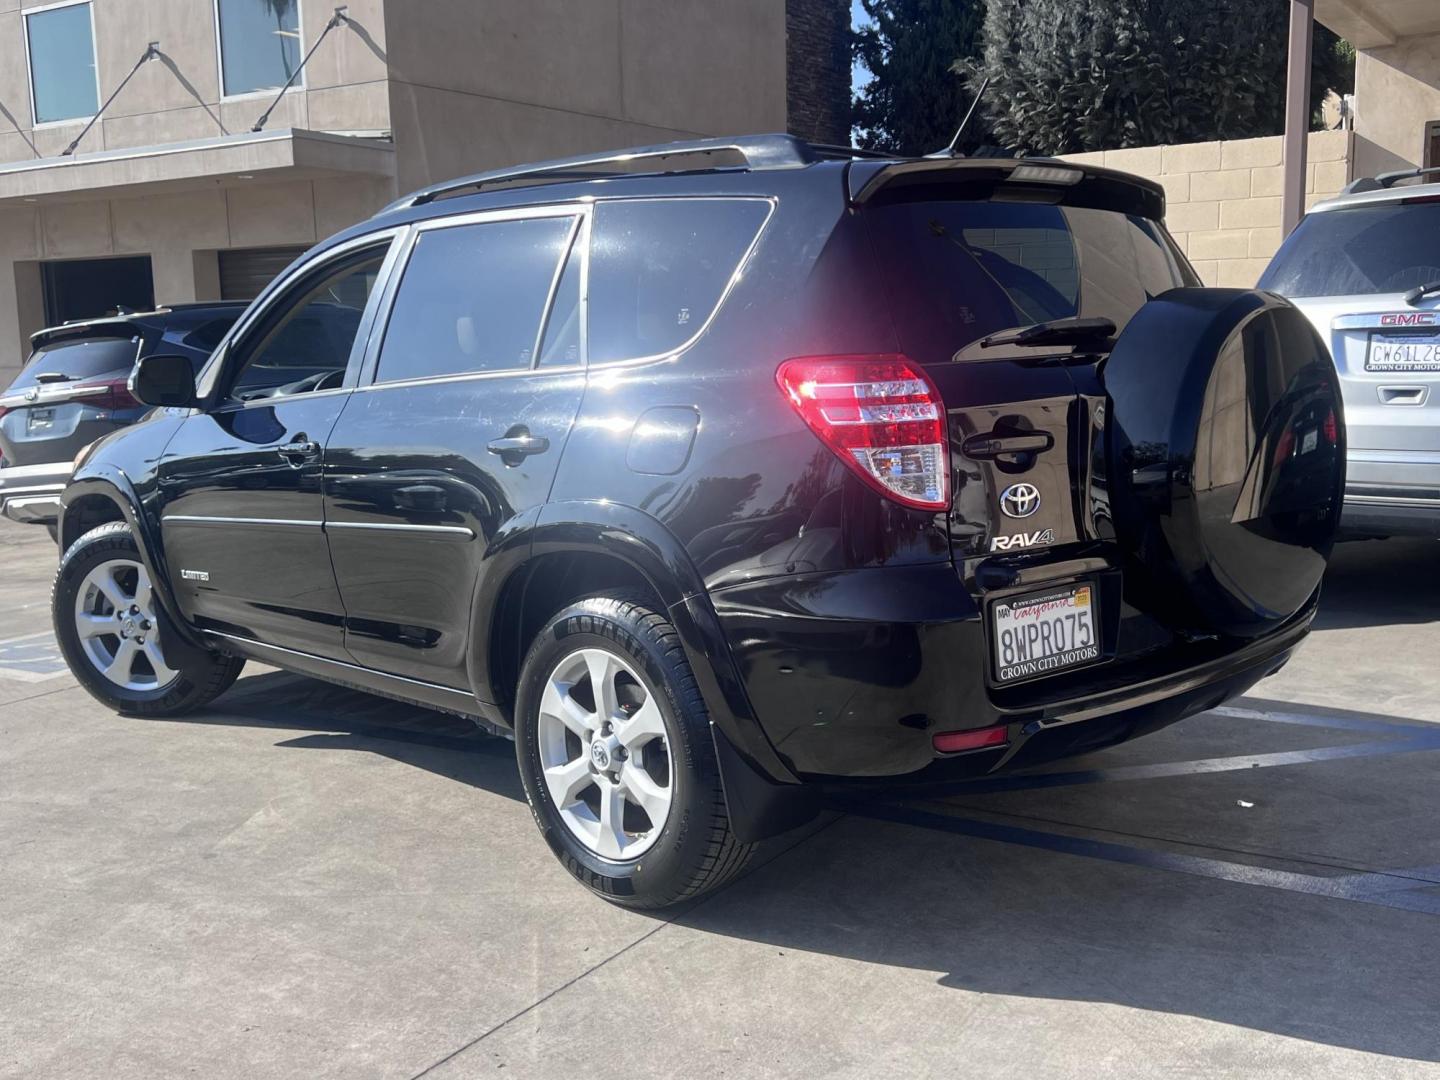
(1045,632)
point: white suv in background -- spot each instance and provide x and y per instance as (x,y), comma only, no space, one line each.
(1365,268)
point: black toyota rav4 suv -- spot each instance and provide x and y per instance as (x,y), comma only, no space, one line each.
(726,475)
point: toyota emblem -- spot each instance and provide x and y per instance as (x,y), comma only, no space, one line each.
(1020,500)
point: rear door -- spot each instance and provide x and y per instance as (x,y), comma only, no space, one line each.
(1021,419)
(242,516)
(456,432)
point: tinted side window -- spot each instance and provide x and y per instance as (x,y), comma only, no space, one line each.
(560,347)
(472,297)
(658,268)
(307,347)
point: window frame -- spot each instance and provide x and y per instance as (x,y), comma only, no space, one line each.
(36,124)
(252,95)
(579,234)
(582,236)
(288,287)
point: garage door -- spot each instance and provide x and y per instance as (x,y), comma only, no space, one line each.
(245,271)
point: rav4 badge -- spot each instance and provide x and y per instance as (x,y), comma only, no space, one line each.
(1023,540)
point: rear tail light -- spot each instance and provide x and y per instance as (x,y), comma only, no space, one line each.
(882,416)
(111,394)
(1332,434)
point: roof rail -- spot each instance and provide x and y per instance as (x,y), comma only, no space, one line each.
(759,152)
(1385,180)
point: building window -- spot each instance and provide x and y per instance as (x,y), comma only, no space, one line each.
(1432,145)
(60,44)
(259,44)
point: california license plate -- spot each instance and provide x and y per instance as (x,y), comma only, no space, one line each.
(1044,633)
(1403,353)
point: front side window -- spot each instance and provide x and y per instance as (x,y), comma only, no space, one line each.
(306,345)
(259,43)
(62,64)
(472,298)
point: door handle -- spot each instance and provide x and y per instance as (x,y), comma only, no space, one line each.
(299,448)
(994,444)
(512,448)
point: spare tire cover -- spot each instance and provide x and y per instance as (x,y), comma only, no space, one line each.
(1225,456)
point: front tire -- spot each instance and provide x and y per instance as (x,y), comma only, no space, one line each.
(108,626)
(617,759)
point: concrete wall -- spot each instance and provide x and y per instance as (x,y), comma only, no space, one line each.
(510,81)
(180,232)
(1223,198)
(178,97)
(1397,92)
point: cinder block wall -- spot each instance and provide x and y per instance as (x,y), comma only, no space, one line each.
(1223,198)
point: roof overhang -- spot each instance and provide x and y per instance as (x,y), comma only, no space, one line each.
(283,154)
(1375,24)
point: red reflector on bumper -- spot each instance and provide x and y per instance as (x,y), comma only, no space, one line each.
(949,742)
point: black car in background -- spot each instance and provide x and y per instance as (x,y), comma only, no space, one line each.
(72,390)
(762,471)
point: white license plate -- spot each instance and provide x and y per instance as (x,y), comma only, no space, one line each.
(37,420)
(1044,633)
(1409,353)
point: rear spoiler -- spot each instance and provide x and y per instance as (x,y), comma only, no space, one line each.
(113,326)
(1043,180)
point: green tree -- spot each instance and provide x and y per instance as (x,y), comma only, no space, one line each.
(1073,75)
(916,98)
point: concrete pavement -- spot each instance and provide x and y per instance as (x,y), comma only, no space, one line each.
(307,882)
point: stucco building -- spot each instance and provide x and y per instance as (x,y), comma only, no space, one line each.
(171,195)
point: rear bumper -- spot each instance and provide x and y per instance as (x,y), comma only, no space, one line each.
(31,493)
(1391,493)
(852,674)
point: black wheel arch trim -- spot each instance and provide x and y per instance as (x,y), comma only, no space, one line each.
(656,554)
(111,483)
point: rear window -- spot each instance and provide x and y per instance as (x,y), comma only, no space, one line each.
(960,271)
(1362,251)
(660,267)
(79,360)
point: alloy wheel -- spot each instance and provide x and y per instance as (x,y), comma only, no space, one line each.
(116,624)
(605,754)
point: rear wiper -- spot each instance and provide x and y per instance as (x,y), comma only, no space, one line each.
(1414,295)
(52,376)
(1056,332)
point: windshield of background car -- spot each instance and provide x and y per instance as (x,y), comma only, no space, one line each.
(78,360)
(960,271)
(1361,251)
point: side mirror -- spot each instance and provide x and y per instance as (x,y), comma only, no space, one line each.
(164,379)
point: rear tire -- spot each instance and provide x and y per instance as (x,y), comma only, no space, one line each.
(108,626)
(623,783)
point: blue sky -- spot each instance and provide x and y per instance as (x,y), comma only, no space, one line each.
(858,75)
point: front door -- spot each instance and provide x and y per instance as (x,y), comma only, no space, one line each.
(242,517)
(458,432)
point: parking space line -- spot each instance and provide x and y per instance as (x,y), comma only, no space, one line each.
(1394,890)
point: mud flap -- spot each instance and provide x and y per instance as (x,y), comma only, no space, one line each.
(759,808)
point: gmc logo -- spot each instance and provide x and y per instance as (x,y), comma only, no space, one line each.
(1408,318)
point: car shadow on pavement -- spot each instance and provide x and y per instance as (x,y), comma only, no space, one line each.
(345,719)
(996,917)
(1381,583)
